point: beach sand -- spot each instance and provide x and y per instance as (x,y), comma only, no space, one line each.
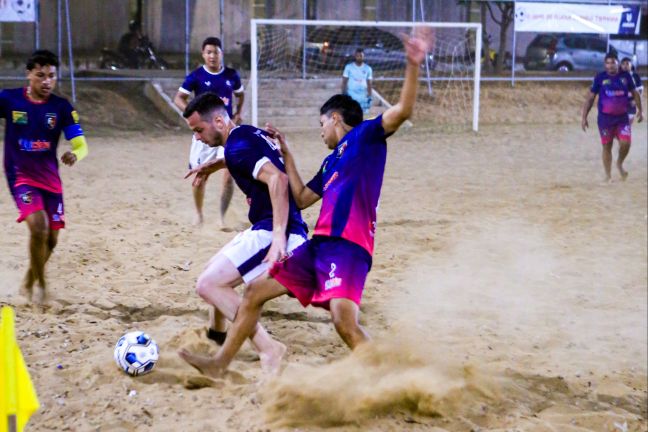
(508,289)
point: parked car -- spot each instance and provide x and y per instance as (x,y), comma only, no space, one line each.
(334,47)
(567,52)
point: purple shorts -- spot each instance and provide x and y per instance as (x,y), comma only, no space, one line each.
(620,131)
(30,199)
(324,268)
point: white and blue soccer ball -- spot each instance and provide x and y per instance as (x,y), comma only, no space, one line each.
(136,353)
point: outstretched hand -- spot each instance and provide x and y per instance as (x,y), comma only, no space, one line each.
(68,158)
(203,171)
(276,134)
(417,45)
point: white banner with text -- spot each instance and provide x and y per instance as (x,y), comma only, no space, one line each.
(576,18)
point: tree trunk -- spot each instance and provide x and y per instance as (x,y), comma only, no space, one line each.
(486,64)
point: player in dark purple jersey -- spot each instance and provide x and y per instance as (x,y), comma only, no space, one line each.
(329,270)
(34,120)
(213,76)
(255,163)
(612,87)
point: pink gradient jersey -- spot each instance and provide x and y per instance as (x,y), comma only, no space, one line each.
(613,93)
(349,182)
(32,132)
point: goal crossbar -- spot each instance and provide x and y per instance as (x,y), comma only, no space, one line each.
(264,21)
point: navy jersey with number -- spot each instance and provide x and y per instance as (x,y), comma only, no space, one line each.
(247,149)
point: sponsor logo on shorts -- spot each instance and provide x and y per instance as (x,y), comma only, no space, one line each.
(26,198)
(19,117)
(50,120)
(331,180)
(333,281)
(372,228)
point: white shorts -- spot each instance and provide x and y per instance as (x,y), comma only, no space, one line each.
(248,249)
(201,152)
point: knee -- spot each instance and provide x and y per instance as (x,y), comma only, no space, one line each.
(203,287)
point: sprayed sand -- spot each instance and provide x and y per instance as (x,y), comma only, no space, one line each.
(508,291)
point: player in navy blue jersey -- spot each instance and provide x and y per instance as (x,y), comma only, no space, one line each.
(626,66)
(330,270)
(34,120)
(255,163)
(213,76)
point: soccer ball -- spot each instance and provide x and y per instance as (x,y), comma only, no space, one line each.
(136,353)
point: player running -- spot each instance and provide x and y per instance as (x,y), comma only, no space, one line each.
(34,119)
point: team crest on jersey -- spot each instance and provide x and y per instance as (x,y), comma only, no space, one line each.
(19,117)
(75,116)
(228,83)
(624,81)
(50,119)
(341,149)
(26,198)
(607,82)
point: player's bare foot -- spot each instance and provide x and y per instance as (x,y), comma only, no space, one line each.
(271,359)
(606,180)
(205,365)
(198,219)
(623,173)
(40,296)
(26,291)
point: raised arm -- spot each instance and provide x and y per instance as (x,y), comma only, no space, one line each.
(415,49)
(277,183)
(302,194)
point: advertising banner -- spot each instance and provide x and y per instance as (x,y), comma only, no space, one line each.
(18,10)
(576,18)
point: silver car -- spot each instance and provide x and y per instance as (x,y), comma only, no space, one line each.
(567,52)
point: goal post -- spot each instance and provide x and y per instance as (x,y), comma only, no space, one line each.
(304,59)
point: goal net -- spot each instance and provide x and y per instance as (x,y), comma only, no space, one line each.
(296,65)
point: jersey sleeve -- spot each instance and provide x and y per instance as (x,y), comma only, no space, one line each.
(189,84)
(372,131)
(3,104)
(317,183)
(244,157)
(596,84)
(70,121)
(631,82)
(346,73)
(237,85)
(369,73)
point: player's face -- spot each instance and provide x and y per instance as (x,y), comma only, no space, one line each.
(611,66)
(209,132)
(359,57)
(626,66)
(42,80)
(211,55)
(328,134)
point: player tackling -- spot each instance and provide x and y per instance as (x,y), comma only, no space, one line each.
(330,269)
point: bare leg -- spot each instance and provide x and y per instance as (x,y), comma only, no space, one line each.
(199,197)
(624,149)
(607,161)
(226,194)
(245,323)
(345,314)
(216,286)
(40,239)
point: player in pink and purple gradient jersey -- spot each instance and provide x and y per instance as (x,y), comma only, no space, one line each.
(34,120)
(330,269)
(612,87)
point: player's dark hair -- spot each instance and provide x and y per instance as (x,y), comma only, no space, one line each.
(42,58)
(212,41)
(344,105)
(359,50)
(611,55)
(205,105)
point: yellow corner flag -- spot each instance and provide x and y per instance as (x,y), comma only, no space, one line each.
(18,400)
